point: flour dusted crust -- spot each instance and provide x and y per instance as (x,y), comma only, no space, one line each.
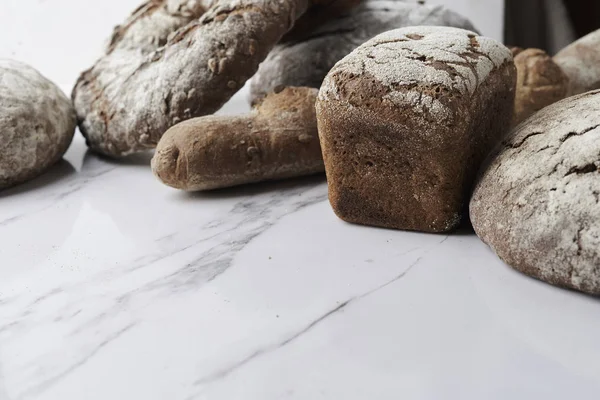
(152,23)
(306,60)
(581,62)
(445,57)
(140,88)
(37,123)
(537,203)
(405,121)
(319,13)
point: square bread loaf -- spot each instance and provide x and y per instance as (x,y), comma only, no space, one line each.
(405,121)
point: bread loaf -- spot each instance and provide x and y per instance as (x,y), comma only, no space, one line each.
(37,123)
(581,62)
(135,92)
(308,58)
(537,203)
(540,82)
(405,121)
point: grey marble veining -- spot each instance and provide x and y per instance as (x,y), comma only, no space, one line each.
(113,286)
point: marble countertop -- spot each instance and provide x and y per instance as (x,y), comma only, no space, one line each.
(113,286)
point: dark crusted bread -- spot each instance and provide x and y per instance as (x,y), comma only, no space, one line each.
(537,203)
(405,121)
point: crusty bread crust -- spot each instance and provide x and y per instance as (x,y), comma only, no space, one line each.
(405,121)
(581,62)
(537,203)
(307,60)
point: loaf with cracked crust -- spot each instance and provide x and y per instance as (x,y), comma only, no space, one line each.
(537,203)
(405,121)
(540,82)
(306,60)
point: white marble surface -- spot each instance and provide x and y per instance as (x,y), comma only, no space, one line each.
(115,287)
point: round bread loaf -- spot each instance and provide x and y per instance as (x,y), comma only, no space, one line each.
(37,123)
(308,58)
(537,203)
(405,121)
(540,82)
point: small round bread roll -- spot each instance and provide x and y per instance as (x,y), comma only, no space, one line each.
(537,203)
(540,82)
(37,123)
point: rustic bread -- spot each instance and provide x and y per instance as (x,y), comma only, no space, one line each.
(540,82)
(174,60)
(37,123)
(405,121)
(581,62)
(306,60)
(537,203)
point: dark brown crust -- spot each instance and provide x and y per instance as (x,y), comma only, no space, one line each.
(278,140)
(395,178)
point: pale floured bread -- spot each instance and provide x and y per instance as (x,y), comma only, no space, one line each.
(581,62)
(37,123)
